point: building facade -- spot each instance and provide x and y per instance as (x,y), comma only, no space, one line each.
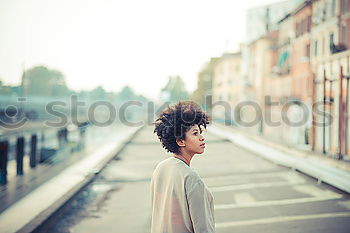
(226,86)
(329,63)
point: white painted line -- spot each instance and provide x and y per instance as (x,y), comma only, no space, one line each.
(290,177)
(293,178)
(313,191)
(248,175)
(243,198)
(345,204)
(277,202)
(247,186)
(281,219)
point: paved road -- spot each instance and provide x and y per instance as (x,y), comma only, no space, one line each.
(251,194)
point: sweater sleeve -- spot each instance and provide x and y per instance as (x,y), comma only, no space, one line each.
(201,208)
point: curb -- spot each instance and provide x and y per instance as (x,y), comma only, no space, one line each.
(74,177)
(322,172)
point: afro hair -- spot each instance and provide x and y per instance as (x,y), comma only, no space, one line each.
(176,120)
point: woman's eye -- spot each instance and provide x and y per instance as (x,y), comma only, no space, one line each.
(196,133)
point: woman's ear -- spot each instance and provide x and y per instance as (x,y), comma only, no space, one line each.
(180,142)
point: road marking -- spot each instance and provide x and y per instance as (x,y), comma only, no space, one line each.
(247,186)
(243,198)
(345,204)
(313,191)
(281,219)
(249,175)
(293,178)
(290,179)
(277,202)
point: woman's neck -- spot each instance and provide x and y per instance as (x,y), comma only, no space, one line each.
(184,157)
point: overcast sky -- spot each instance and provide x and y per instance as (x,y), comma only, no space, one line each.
(114,43)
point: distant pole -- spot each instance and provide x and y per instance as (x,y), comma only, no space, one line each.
(3,162)
(330,111)
(324,111)
(313,115)
(347,107)
(341,115)
(19,155)
(346,127)
(33,151)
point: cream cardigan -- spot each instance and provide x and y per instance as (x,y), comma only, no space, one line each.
(181,202)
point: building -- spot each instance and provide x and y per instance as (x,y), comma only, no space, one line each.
(329,54)
(301,73)
(263,19)
(260,67)
(227,85)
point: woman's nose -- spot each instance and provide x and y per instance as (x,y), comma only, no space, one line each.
(202,138)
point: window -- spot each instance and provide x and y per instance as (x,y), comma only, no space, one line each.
(309,23)
(302,27)
(297,29)
(331,39)
(331,43)
(326,10)
(344,6)
(343,34)
(315,48)
(323,15)
(307,50)
(323,45)
(333,7)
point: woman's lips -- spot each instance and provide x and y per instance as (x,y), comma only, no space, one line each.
(202,145)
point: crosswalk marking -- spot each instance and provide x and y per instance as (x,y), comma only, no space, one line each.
(281,219)
(248,175)
(247,186)
(313,191)
(291,178)
(345,204)
(243,198)
(277,202)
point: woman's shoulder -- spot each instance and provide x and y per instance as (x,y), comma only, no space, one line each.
(171,165)
(192,177)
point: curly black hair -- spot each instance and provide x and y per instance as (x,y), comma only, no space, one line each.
(176,120)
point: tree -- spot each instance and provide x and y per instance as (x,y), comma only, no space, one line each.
(98,93)
(127,93)
(174,90)
(40,81)
(203,93)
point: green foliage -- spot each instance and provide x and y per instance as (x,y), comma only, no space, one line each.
(203,93)
(41,81)
(174,90)
(127,94)
(98,93)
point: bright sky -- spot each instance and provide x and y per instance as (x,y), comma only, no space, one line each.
(115,43)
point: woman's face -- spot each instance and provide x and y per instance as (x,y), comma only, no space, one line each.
(194,142)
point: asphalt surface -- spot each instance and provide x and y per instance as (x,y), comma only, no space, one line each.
(250,194)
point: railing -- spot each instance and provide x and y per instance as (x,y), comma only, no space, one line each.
(38,136)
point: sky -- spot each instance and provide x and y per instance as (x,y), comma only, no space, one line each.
(114,43)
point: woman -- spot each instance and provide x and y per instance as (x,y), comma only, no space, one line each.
(181,202)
